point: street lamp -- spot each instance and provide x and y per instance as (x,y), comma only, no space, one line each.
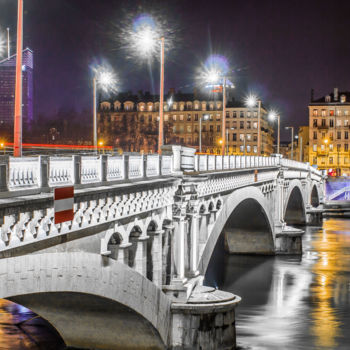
(105,80)
(292,133)
(205,117)
(272,116)
(251,101)
(215,75)
(145,39)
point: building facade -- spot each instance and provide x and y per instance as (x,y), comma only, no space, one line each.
(329,118)
(7,90)
(132,124)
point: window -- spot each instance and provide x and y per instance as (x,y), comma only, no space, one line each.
(150,119)
(241,114)
(174,117)
(248,149)
(346,135)
(249,114)
(346,122)
(204,128)
(323,135)
(331,123)
(315,135)
(346,147)
(227,114)
(188,117)
(315,112)
(338,147)
(211,127)
(314,123)
(323,112)
(255,125)
(338,122)
(342,98)
(323,122)
(234,137)
(338,112)
(330,160)
(314,148)
(150,108)
(218,117)
(241,148)
(322,147)
(189,129)
(338,135)
(174,129)
(196,128)
(331,147)
(331,136)
(331,112)
(248,125)
(241,137)
(255,114)
(255,149)
(249,137)
(346,160)
(234,125)
(181,117)
(241,125)
(314,161)
(255,137)
(228,137)
(234,114)
(196,117)
(218,128)
(166,117)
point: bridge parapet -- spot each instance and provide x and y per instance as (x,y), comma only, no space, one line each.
(28,175)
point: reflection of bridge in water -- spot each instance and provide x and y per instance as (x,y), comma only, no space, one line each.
(143,234)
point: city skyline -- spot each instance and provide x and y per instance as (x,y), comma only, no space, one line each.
(68,38)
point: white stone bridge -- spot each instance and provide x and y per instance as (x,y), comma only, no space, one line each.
(128,270)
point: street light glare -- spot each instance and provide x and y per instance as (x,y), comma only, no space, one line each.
(251,101)
(105,78)
(272,115)
(2,45)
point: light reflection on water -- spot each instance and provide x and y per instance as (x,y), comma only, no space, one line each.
(290,302)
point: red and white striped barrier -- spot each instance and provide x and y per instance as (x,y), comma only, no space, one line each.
(64,204)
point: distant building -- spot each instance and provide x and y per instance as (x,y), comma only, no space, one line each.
(300,145)
(131,123)
(329,118)
(7,90)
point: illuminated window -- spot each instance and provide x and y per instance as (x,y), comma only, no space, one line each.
(338,112)
(189,129)
(241,148)
(331,147)
(323,113)
(338,122)
(248,149)
(255,149)
(255,125)
(331,112)
(314,148)
(166,117)
(181,117)
(342,98)
(241,137)
(249,137)
(322,147)
(174,117)
(346,122)
(315,112)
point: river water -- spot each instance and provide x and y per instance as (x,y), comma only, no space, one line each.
(292,303)
(287,303)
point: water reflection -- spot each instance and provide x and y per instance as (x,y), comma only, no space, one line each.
(21,329)
(291,303)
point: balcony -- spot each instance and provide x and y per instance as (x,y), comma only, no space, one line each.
(323,127)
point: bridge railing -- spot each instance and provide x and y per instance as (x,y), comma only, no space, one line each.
(45,172)
(210,162)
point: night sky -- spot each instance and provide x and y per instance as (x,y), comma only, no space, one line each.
(283,48)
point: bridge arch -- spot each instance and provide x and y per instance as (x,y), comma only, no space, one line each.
(245,199)
(314,196)
(39,278)
(294,206)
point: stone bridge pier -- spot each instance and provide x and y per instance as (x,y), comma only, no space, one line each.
(129,269)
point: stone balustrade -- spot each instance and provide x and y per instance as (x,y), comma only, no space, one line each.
(41,173)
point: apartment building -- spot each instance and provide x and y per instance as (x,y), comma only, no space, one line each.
(329,118)
(131,123)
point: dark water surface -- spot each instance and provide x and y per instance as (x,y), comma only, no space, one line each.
(292,303)
(288,302)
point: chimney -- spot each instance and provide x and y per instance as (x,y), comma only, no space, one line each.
(312,95)
(335,94)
